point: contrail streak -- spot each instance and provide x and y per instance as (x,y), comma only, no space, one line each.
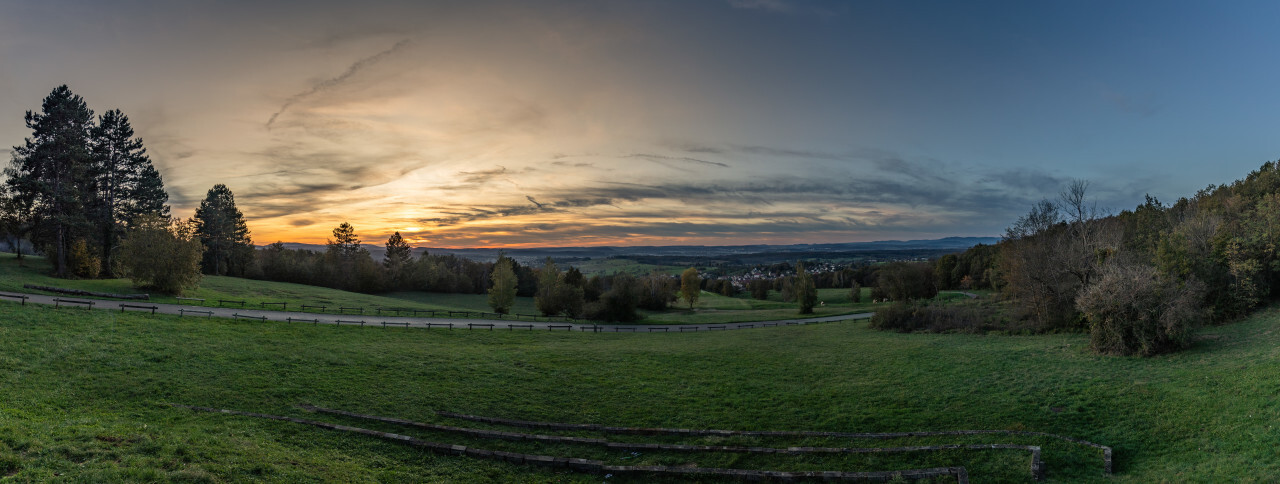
(330,83)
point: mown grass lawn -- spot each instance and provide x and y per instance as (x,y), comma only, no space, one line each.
(84,394)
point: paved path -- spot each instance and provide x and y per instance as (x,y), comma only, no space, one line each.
(402,321)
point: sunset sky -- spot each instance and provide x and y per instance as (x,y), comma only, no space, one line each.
(726,122)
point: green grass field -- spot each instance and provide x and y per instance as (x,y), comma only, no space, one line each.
(714,308)
(36,270)
(84,396)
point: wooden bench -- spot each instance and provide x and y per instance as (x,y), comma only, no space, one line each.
(245,316)
(693,328)
(284,306)
(57,302)
(341,322)
(225,301)
(432,325)
(393,323)
(344,310)
(312,321)
(183,312)
(308,306)
(138,306)
(553,327)
(23,297)
(709,328)
(514,326)
(664,330)
(483,325)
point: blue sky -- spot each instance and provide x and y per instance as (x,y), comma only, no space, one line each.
(485,123)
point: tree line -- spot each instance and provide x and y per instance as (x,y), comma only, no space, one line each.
(1138,281)
(77,184)
(83,191)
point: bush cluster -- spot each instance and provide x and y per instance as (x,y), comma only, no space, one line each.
(1133,310)
(905,317)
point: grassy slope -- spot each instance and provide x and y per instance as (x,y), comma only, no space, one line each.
(36,271)
(83,396)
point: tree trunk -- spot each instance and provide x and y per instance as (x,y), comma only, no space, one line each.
(61,268)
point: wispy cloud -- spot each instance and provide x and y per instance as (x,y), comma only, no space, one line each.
(662,159)
(484,213)
(352,70)
(790,152)
(481,176)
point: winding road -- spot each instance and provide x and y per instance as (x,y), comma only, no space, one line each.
(398,321)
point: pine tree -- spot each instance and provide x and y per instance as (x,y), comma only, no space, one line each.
(127,185)
(221,229)
(345,243)
(51,171)
(398,257)
(502,295)
(349,266)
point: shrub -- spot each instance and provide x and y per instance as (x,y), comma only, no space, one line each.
(897,317)
(618,303)
(161,255)
(906,317)
(83,263)
(657,291)
(902,281)
(1133,310)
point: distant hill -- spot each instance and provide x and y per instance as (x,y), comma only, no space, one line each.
(808,250)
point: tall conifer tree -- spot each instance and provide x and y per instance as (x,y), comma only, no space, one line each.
(399,255)
(221,229)
(51,170)
(127,185)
